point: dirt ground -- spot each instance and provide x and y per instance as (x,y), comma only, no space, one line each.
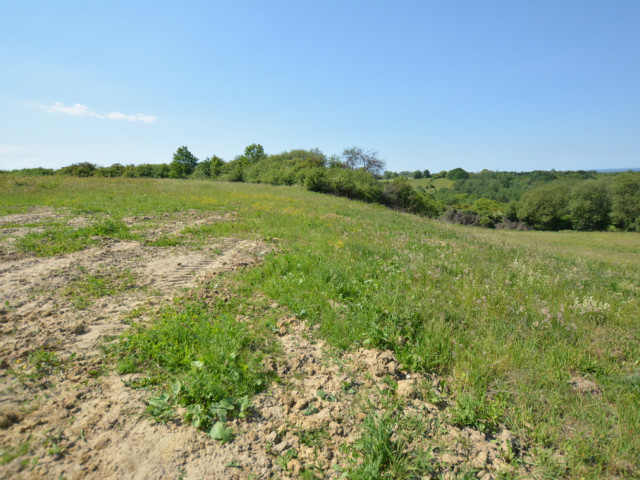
(85,422)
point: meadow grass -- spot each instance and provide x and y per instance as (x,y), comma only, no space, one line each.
(620,249)
(437,183)
(513,321)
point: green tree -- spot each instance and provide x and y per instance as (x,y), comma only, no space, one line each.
(202,170)
(457,174)
(625,196)
(546,207)
(254,152)
(216,167)
(589,206)
(183,164)
(334,162)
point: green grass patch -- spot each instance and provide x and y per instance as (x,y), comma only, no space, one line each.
(384,450)
(57,240)
(427,183)
(84,288)
(9,454)
(44,362)
(165,241)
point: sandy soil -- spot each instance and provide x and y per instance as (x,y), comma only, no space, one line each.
(84,422)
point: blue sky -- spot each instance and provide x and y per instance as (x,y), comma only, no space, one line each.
(508,85)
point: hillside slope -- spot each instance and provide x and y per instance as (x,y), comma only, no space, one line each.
(421,348)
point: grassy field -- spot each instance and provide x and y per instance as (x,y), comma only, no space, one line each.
(621,249)
(437,183)
(536,331)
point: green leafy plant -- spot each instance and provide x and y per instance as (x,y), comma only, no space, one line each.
(220,432)
(311,409)
(160,408)
(478,413)
(325,396)
(44,362)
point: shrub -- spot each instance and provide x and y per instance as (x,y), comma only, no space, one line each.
(400,194)
(462,217)
(84,169)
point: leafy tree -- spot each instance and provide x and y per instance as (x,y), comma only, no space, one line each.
(546,207)
(426,174)
(457,174)
(589,206)
(234,171)
(418,174)
(625,196)
(183,164)
(202,170)
(254,152)
(355,157)
(335,162)
(216,167)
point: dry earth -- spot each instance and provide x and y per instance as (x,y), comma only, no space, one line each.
(82,421)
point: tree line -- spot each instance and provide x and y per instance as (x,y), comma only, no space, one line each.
(544,200)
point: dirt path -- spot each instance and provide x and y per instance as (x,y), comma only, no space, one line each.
(83,421)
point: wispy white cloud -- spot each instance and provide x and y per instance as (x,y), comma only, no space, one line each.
(77,110)
(80,110)
(136,117)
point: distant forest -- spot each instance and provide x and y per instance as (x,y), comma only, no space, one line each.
(542,200)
